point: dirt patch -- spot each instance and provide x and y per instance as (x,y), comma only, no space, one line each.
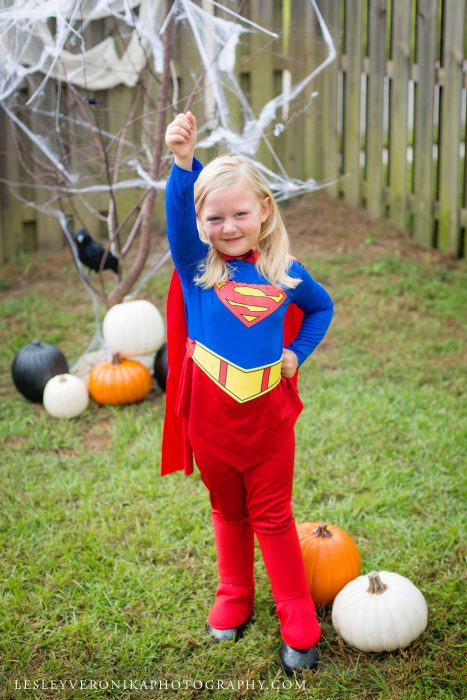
(318,226)
(55,270)
(14,441)
(322,227)
(99,437)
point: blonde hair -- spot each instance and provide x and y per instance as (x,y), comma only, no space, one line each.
(273,242)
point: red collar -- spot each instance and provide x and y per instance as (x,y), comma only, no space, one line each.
(251,256)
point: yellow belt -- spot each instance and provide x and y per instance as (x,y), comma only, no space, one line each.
(241,384)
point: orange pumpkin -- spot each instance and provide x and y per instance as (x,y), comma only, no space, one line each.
(119,381)
(331,560)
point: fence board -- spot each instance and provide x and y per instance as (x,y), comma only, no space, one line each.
(262,70)
(329,80)
(298,61)
(398,112)
(352,97)
(282,61)
(48,231)
(303,137)
(375,106)
(4,194)
(423,124)
(448,230)
(13,212)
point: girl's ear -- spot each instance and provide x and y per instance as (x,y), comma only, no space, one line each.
(265,209)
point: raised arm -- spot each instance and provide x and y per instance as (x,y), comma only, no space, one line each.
(186,247)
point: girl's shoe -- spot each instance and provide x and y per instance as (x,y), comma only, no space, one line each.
(298,659)
(232,634)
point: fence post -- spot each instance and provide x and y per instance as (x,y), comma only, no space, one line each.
(398,112)
(13,211)
(375,107)
(262,70)
(3,186)
(47,228)
(352,96)
(329,82)
(423,124)
(448,162)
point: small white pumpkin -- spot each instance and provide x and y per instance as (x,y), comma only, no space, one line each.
(65,396)
(133,328)
(379,612)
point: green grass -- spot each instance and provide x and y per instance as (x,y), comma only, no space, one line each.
(108,571)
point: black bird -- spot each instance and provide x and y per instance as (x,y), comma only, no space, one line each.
(90,253)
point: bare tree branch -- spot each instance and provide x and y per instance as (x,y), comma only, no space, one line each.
(147,209)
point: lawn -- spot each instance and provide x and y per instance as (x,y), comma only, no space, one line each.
(108,570)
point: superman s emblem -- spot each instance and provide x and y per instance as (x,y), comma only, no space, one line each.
(250,303)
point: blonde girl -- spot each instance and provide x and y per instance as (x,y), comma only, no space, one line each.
(246,317)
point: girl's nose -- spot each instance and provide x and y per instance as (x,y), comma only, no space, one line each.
(229,226)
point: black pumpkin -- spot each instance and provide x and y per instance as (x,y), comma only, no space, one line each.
(160,367)
(33,365)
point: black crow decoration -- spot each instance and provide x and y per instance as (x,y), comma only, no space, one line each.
(90,253)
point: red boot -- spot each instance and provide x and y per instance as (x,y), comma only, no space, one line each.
(235,592)
(294,605)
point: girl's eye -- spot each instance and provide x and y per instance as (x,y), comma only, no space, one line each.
(242,213)
(214,219)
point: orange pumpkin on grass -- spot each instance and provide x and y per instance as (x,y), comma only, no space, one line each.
(119,381)
(331,560)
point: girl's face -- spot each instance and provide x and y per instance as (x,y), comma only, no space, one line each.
(231,218)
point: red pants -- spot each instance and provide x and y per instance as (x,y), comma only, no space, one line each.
(258,500)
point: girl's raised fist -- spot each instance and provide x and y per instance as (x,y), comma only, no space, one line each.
(180,137)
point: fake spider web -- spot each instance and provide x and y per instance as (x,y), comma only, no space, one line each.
(53,84)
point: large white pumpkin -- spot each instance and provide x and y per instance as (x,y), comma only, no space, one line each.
(65,396)
(379,612)
(133,328)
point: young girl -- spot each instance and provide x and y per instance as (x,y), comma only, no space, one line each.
(242,315)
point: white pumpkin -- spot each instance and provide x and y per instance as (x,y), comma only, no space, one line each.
(133,328)
(65,396)
(379,612)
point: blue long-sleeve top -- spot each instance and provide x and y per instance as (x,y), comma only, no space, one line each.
(211,321)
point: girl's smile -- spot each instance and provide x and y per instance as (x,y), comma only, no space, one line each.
(232,217)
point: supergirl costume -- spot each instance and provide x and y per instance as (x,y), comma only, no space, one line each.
(228,405)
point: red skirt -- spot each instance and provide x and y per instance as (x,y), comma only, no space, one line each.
(243,434)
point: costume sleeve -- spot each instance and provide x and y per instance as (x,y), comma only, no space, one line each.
(317,306)
(185,244)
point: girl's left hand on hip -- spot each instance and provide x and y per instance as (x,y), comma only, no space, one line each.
(289,364)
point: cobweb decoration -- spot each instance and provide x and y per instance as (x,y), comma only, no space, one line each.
(28,47)
(50,74)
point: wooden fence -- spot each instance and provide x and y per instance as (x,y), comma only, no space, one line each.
(387,128)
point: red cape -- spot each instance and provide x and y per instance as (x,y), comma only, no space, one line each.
(176,449)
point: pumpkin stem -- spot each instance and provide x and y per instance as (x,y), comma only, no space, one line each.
(116,359)
(322,531)
(376,585)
